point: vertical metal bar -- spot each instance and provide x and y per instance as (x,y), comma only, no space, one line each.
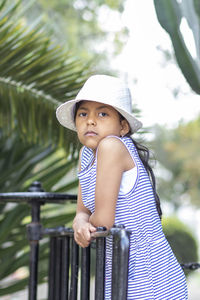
(115,264)
(100,268)
(74,271)
(34,252)
(34,235)
(33,266)
(123,263)
(85,273)
(58,255)
(51,279)
(65,269)
(120,264)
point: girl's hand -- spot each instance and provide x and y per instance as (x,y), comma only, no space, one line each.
(82,232)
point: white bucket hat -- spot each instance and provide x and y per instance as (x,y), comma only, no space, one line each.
(104,89)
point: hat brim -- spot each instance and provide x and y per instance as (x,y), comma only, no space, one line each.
(65,115)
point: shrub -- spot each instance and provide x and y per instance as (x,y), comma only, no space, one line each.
(181,240)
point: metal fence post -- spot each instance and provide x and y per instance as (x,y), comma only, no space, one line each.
(120,262)
(100,266)
(85,273)
(34,230)
(74,271)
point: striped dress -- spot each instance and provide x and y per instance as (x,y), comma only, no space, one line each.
(154,272)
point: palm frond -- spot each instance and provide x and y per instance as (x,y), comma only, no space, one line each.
(36,75)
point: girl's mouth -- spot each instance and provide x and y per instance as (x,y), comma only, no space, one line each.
(90,133)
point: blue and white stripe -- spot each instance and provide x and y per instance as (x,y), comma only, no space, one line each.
(154,272)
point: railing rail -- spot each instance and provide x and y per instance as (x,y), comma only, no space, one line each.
(64,259)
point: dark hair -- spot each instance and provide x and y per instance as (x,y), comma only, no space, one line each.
(144,155)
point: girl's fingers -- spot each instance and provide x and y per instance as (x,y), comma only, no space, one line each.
(83,244)
(92,228)
(82,236)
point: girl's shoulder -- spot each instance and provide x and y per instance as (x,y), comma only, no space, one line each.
(113,144)
(113,148)
(112,141)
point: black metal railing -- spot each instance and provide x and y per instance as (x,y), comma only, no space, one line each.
(63,247)
(63,277)
(64,268)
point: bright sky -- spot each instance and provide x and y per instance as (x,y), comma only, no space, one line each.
(141,60)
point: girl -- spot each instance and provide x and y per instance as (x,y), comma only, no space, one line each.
(117,185)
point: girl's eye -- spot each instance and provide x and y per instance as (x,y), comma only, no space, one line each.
(82,114)
(103,114)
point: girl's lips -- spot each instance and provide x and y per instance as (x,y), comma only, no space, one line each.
(90,133)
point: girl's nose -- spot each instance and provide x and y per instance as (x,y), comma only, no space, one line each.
(91,121)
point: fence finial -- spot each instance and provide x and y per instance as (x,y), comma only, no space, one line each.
(36,186)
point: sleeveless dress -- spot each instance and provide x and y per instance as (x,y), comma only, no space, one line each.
(154,272)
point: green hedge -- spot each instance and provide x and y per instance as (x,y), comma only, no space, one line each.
(181,239)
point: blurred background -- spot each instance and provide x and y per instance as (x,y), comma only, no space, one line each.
(47,50)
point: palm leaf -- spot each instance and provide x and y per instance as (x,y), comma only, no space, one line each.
(170,14)
(36,75)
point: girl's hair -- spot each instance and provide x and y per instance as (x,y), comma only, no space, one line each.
(144,155)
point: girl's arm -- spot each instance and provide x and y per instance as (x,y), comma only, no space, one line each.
(81,225)
(112,160)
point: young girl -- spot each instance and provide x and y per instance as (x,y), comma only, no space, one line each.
(117,185)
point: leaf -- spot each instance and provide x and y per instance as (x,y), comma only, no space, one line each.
(36,75)
(170,14)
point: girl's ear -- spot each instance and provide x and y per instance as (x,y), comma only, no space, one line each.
(125,127)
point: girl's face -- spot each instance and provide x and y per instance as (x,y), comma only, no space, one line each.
(94,121)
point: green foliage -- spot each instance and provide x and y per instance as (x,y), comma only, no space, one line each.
(171,14)
(178,152)
(181,240)
(22,163)
(77,26)
(36,75)
(49,165)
